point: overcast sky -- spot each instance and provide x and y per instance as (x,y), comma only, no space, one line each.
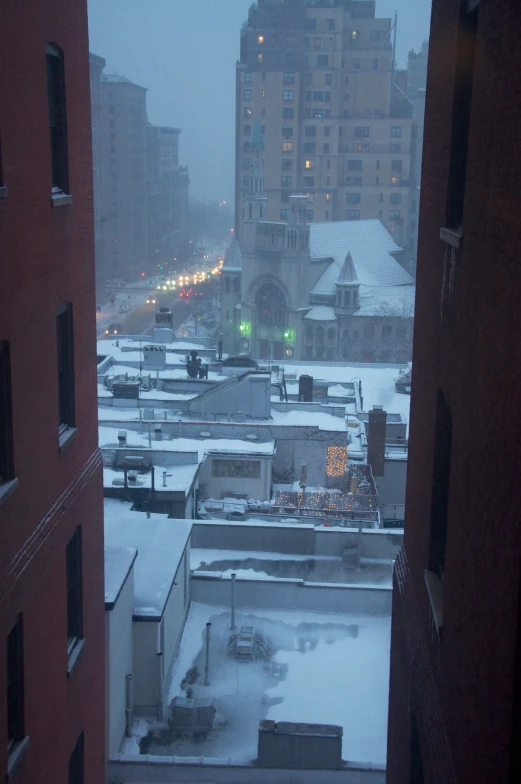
(184,52)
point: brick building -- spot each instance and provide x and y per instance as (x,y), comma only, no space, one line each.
(97,64)
(320,79)
(455,687)
(51,535)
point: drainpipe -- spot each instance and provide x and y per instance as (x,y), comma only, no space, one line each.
(233,601)
(160,686)
(207,662)
(129,711)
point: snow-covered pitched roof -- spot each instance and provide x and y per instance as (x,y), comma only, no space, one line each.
(321,313)
(370,246)
(233,258)
(348,272)
(386,301)
(160,543)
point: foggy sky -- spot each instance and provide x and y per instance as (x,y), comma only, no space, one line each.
(184,52)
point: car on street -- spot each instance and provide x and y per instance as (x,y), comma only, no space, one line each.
(113,329)
(151,301)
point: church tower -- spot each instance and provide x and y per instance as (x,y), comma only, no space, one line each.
(255,201)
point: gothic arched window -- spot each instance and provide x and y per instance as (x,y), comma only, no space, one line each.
(271,304)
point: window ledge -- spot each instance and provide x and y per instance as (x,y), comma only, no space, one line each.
(66,438)
(7,489)
(452,237)
(434,587)
(74,655)
(60,199)
(3,192)
(16,755)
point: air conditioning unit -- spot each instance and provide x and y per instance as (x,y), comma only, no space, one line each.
(132,477)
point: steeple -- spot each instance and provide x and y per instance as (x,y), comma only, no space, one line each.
(347,287)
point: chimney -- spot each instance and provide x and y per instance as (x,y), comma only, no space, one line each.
(305,389)
(376,440)
(122,437)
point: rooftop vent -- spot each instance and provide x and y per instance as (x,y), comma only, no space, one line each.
(122,437)
(252,437)
(205,434)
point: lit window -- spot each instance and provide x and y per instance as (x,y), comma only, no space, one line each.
(353,35)
(328,197)
(309,164)
(260,58)
(287,146)
(260,39)
(263,93)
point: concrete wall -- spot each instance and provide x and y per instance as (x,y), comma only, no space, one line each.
(250,394)
(174,617)
(214,486)
(119,661)
(292,594)
(391,486)
(145,666)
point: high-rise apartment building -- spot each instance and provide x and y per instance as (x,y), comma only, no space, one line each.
(319,78)
(124,177)
(455,685)
(51,492)
(97,64)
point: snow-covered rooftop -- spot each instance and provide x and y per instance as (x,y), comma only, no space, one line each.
(179,478)
(321,313)
(160,544)
(118,563)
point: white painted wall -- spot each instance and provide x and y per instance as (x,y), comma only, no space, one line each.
(214,486)
(145,667)
(118,662)
(391,486)
(175,614)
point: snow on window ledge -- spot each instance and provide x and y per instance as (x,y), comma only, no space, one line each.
(3,192)
(453,237)
(66,437)
(74,655)
(59,198)
(7,489)
(16,754)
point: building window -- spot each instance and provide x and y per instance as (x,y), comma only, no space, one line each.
(284,197)
(288,78)
(65,359)
(440,485)
(374,63)
(394,147)
(287,131)
(354,165)
(287,146)
(309,147)
(387,331)
(328,180)
(322,61)
(353,198)
(76,763)
(286,181)
(247,77)
(360,147)
(318,96)
(356,63)
(347,299)
(286,164)
(247,95)
(368,330)
(326,214)
(317,42)
(287,113)
(310,196)
(73,559)
(246,147)
(245,181)
(328,79)
(308,95)
(394,214)
(310,130)
(260,58)
(396,132)
(308,182)
(396,166)
(247,112)
(245,164)
(310,24)
(260,39)
(309,163)
(375,35)
(310,214)
(352,215)
(361,131)
(6,416)
(57,117)
(288,95)
(395,198)
(15,685)
(284,214)
(354,180)
(308,78)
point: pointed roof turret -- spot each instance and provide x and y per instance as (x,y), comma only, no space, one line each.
(233,258)
(348,274)
(257,139)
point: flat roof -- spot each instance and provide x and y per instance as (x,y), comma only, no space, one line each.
(160,542)
(118,563)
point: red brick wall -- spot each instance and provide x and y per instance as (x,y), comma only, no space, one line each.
(46,258)
(467,343)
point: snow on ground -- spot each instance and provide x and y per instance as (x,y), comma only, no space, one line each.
(337,673)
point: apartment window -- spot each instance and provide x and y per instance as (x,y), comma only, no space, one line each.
(374,63)
(326,214)
(361,131)
(394,214)
(57,117)
(287,164)
(308,181)
(286,181)
(73,561)
(354,165)
(440,485)
(328,180)
(462,99)
(112,150)
(6,416)
(287,131)
(318,114)
(330,24)
(288,95)
(288,78)
(309,163)
(310,214)
(318,95)
(236,469)
(246,163)
(260,58)
(326,150)
(287,113)
(356,63)
(327,130)
(260,39)
(395,198)
(395,147)
(412,226)
(247,77)
(287,147)
(112,124)
(284,214)
(396,132)
(346,79)
(322,61)
(361,147)
(247,112)
(396,166)
(246,147)
(353,198)
(352,214)
(328,197)
(65,358)
(15,685)
(414,207)
(310,130)
(328,79)
(375,35)
(309,147)
(345,97)
(317,42)
(76,762)
(308,96)
(284,197)
(308,79)
(310,24)
(381,197)
(247,95)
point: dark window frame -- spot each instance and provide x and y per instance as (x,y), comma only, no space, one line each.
(65,367)
(15,685)
(57,116)
(441,469)
(74,589)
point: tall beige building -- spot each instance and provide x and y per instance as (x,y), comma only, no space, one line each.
(318,75)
